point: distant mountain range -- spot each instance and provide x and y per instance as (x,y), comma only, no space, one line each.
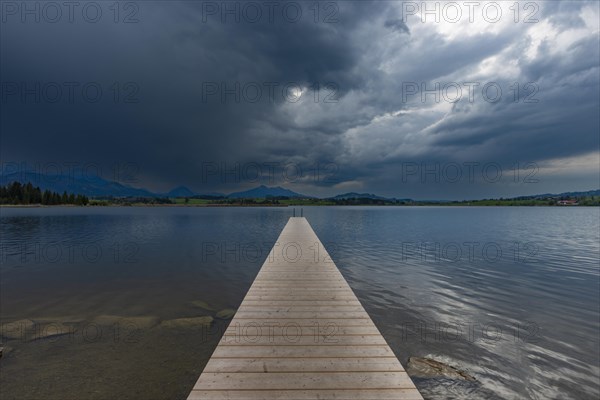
(354,195)
(180,191)
(264,191)
(259,192)
(565,194)
(95,186)
(99,187)
(183,191)
(89,186)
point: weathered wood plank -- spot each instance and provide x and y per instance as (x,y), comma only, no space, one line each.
(301,308)
(292,337)
(300,302)
(292,351)
(307,322)
(303,380)
(314,297)
(303,314)
(337,394)
(278,365)
(252,330)
(301,275)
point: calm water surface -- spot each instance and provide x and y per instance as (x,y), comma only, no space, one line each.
(509,295)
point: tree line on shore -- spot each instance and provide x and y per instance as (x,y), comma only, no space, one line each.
(18,193)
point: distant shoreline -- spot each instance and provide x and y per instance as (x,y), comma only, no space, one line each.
(17,194)
(136,205)
(283,205)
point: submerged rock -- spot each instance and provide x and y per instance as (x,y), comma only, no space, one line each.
(430,368)
(17,329)
(194,322)
(53,329)
(227,313)
(68,319)
(27,329)
(203,305)
(4,350)
(145,322)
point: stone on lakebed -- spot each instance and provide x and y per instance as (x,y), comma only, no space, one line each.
(26,329)
(227,313)
(430,368)
(51,329)
(145,322)
(203,305)
(193,322)
(17,329)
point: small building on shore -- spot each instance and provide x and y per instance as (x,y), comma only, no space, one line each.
(567,202)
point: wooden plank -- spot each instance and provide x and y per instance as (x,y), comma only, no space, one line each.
(278,365)
(301,333)
(298,280)
(332,315)
(303,275)
(301,308)
(300,269)
(314,297)
(292,337)
(302,380)
(307,293)
(299,286)
(293,351)
(253,330)
(301,322)
(338,394)
(306,302)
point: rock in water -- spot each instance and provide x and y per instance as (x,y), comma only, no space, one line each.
(195,322)
(18,329)
(52,329)
(4,350)
(227,313)
(67,319)
(430,368)
(203,305)
(126,322)
(26,330)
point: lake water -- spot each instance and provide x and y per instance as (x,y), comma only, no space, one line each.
(509,295)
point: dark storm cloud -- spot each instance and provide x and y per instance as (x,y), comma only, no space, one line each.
(397,25)
(170,55)
(175,55)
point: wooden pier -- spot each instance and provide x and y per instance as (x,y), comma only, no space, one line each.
(301,333)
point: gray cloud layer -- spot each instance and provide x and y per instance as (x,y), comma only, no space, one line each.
(374,133)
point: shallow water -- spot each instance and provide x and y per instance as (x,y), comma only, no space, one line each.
(510,295)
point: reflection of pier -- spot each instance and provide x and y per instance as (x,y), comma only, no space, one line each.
(301,333)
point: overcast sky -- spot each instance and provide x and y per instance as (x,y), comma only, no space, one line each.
(321,100)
